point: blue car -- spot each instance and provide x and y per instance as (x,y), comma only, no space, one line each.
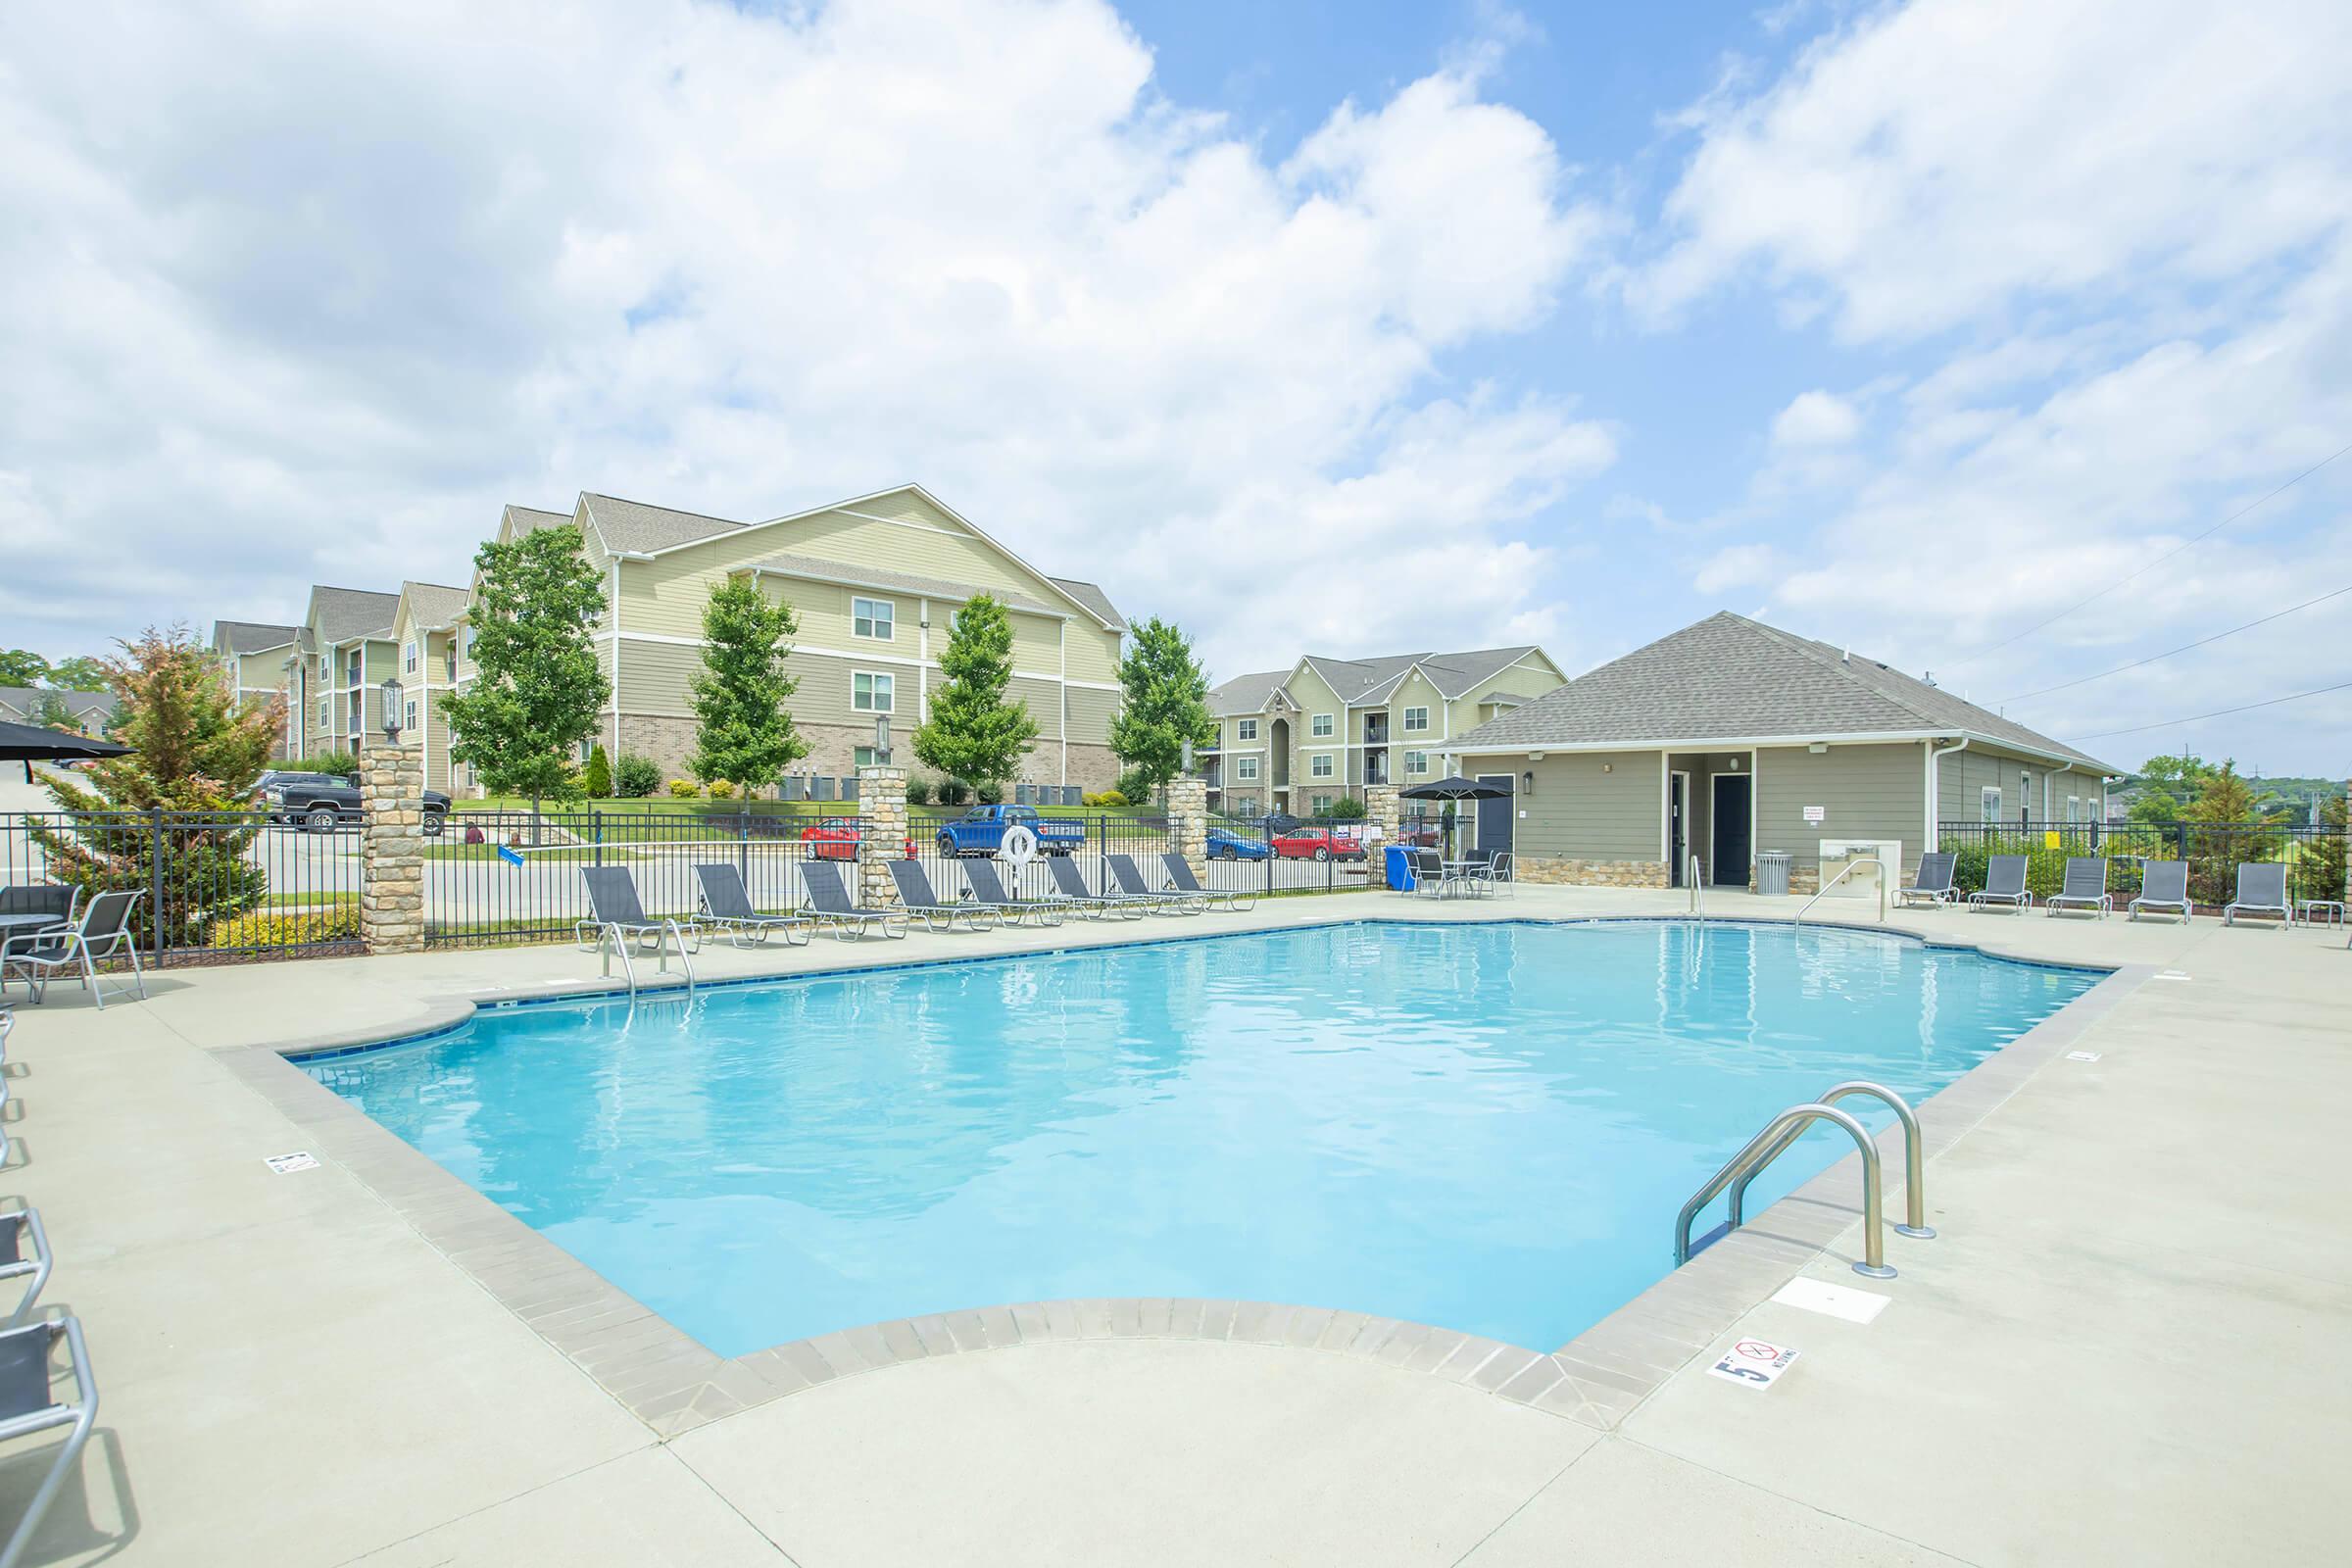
(1227,845)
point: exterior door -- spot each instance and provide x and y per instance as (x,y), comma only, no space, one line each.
(1678,829)
(1733,831)
(1495,817)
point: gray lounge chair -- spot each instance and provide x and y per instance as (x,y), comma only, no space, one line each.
(829,905)
(1069,884)
(2004,883)
(2163,888)
(1182,881)
(989,888)
(2084,887)
(27,1405)
(1934,884)
(104,931)
(1130,880)
(621,923)
(918,899)
(727,905)
(18,1229)
(2261,890)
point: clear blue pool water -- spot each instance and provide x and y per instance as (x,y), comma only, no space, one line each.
(1490,1128)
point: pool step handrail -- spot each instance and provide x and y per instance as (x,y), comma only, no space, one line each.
(1698,893)
(1849,869)
(1768,1143)
(1915,1181)
(610,940)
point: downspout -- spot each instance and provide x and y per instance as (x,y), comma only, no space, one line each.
(1936,790)
(616,659)
(2049,790)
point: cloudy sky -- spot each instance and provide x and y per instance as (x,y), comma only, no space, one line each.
(1944,331)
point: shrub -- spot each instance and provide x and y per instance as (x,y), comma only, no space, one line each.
(1110,799)
(919,792)
(685,789)
(1134,787)
(636,776)
(288,928)
(1089,798)
(954,792)
(721,790)
(1346,808)
(339,765)
(989,793)
(599,773)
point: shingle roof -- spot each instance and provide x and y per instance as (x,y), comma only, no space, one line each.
(434,604)
(1245,694)
(1728,677)
(341,614)
(249,636)
(528,520)
(905,582)
(1094,599)
(1368,680)
(26,699)
(633,527)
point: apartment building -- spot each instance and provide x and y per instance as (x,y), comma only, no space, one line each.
(254,655)
(334,671)
(427,621)
(1296,740)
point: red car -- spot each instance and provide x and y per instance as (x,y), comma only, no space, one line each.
(1317,844)
(835,839)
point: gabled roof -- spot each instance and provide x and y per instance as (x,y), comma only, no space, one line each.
(26,699)
(633,528)
(1730,678)
(433,604)
(1245,695)
(250,636)
(1097,602)
(528,520)
(884,578)
(343,615)
(1360,681)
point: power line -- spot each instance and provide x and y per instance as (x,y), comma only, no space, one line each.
(2219,712)
(2183,649)
(2160,559)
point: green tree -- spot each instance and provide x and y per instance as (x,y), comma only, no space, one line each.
(81,674)
(1164,702)
(744,734)
(156,819)
(2164,787)
(537,689)
(21,666)
(2324,860)
(49,711)
(973,732)
(598,779)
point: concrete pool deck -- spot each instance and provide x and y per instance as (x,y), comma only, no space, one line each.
(2123,1347)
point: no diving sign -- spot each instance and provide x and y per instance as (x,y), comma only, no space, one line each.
(1754,1364)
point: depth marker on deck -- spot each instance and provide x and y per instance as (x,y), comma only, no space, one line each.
(288,1164)
(2081,1055)
(1753,1363)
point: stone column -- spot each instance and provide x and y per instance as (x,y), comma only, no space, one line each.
(1188,822)
(881,833)
(392,849)
(1384,810)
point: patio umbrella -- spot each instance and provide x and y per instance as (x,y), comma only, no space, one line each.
(1456,788)
(30,744)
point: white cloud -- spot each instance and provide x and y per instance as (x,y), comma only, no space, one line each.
(1816,420)
(1735,566)
(346,280)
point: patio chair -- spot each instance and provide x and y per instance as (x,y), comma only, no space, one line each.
(1069,884)
(27,1405)
(989,888)
(2004,883)
(727,905)
(2261,890)
(2084,887)
(1933,883)
(1434,880)
(18,1229)
(918,899)
(2163,887)
(829,905)
(102,931)
(1493,873)
(1182,882)
(620,922)
(1130,880)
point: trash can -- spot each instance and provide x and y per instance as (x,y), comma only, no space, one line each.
(1400,869)
(1772,873)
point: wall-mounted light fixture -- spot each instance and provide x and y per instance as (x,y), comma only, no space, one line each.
(1817,746)
(1527,782)
(882,740)
(392,697)
(1609,768)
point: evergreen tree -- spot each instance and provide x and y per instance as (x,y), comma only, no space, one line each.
(598,779)
(1164,702)
(973,732)
(537,691)
(49,711)
(2324,861)
(746,735)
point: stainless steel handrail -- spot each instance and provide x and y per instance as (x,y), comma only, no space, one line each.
(1698,893)
(609,941)
(1798,1117)
(1915,1181)
(1852,866)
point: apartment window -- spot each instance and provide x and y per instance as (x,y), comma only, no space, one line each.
(1989,804)
(1416,718)
(1245,768)
(409,721)
(872,617)
(408,656)
(1416,763)
(1325,724)
(869,693)
(322,666)
(323,712)
(863,756)
(2073,808)
(1323,765)
(1245,729)
(1319,803)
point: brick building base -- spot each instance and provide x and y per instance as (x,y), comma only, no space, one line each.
(1591,873)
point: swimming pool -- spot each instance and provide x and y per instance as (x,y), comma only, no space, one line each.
(1482,1127)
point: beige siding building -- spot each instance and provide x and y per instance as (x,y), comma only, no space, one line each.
(1729,737)
(425,625)
(1296,740)
(334,671)
(254,656)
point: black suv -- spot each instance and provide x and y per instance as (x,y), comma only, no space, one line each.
(324,802)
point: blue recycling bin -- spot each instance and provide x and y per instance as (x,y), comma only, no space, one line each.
(1400,869)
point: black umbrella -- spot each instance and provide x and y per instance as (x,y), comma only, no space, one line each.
(30,744)
(1456,788)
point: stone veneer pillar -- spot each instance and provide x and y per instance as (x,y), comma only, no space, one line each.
(392,849)
(1188,822)
(1384,810)
(881,834)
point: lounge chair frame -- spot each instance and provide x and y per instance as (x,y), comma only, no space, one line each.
(17,1230)
(2241,905)
(989,889)
(1926,888)
(1183,881)
(2017,898)
(921,901)
(1069,884)
(102,932)
(619,921)
(23,1414)
(727,904)
(2091,870)
(829,905)
(2155,905)
(1132,882)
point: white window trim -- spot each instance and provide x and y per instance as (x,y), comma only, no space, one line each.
(408,656)
(1323,765)
(1416,763)
(1408,728)
(1988,803)
(1245,769)
(1245,729)
(1316,723)
(890,605)
(872,675)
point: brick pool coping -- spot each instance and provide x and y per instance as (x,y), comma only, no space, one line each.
(675,1383)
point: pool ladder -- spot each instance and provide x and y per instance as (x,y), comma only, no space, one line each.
(1698,893)
(1848,869)
(609,941)
(1786,1129)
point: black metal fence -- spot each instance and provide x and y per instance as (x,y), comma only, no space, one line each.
(2314,856)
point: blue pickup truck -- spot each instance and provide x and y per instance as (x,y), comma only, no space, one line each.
(981,831)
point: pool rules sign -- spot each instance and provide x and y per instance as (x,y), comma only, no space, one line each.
(1753,1363)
